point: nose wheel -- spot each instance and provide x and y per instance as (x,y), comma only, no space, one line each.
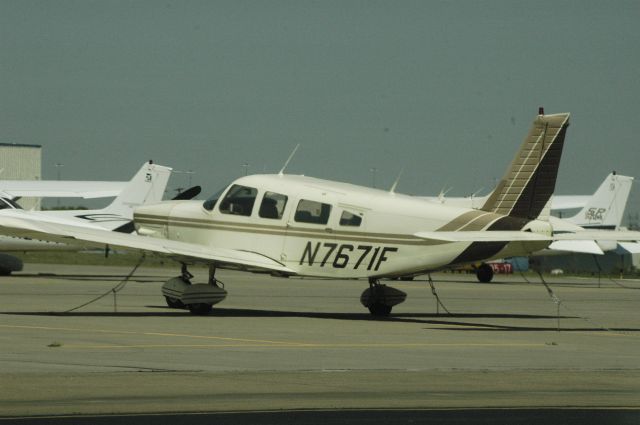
(380,299)
(199,298)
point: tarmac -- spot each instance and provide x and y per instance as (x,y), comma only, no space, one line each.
(279,344)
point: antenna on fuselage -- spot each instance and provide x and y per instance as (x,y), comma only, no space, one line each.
(281,173)
(443,193)
(395,183)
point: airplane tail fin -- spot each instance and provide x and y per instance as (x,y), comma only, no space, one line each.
(605,209)
(526,188)
(146,187)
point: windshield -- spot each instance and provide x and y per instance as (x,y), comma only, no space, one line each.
(213,199)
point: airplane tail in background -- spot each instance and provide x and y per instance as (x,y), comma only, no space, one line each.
(605,209)
(525,190)
(146,187)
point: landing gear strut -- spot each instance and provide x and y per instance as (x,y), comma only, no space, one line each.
(179,292)
(380,299)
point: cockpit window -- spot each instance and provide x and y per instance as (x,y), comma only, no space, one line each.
(272,205)
(239,200)
(213,199)
(350,219)
(312,212)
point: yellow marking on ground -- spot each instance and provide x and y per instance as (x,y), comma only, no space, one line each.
(116,332)
(296,345)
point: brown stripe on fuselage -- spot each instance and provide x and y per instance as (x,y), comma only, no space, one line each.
(480,222)
(301,232)
(482,250)
(461,221)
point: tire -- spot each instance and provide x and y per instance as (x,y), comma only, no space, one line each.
(379,310)
(484,273)
(174,302)
(200,309)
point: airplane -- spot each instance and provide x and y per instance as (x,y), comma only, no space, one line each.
(290,225)
(602,210)
(146,186)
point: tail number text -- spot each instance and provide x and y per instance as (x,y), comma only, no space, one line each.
(341,256)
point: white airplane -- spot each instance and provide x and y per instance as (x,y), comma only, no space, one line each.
(602,210)
(146,186)
(296,225)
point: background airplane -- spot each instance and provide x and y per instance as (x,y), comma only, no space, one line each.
(146,186)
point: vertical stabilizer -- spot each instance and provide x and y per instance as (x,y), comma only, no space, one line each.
(146,187)
(605,209)
(527,186)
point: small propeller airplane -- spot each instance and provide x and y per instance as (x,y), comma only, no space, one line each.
(292,225)
(146,186)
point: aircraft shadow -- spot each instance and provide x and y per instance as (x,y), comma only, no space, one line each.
(91,277)
(446,322)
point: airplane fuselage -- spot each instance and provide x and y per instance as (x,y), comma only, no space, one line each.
(323,228)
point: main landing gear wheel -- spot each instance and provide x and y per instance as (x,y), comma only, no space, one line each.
(200,309)
(380,310)
(174,302)
(484,273)
(199,298)
(380,299)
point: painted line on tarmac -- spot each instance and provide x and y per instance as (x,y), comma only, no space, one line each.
(296,345)
(162,334)
(243,342)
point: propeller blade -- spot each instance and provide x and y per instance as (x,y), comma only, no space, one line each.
(190,193)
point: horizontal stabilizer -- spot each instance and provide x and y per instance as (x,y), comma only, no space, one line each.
(629,247)
(582,247)
(599,235)
(483,236)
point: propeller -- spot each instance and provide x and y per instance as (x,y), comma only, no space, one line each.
(190,193)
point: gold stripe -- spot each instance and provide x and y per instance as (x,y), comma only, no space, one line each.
(388,238)
(481,222)
(460,221)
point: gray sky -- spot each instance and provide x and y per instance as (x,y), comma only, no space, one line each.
(446,90)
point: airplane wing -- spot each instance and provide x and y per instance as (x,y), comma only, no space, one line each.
(18,223)
(61,189)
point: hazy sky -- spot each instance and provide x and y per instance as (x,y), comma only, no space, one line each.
(446,90)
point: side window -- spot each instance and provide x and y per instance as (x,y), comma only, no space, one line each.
(350,219)
(312,212)
(239,200)
(272,205)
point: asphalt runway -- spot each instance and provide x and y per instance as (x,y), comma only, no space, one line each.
(277,345)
